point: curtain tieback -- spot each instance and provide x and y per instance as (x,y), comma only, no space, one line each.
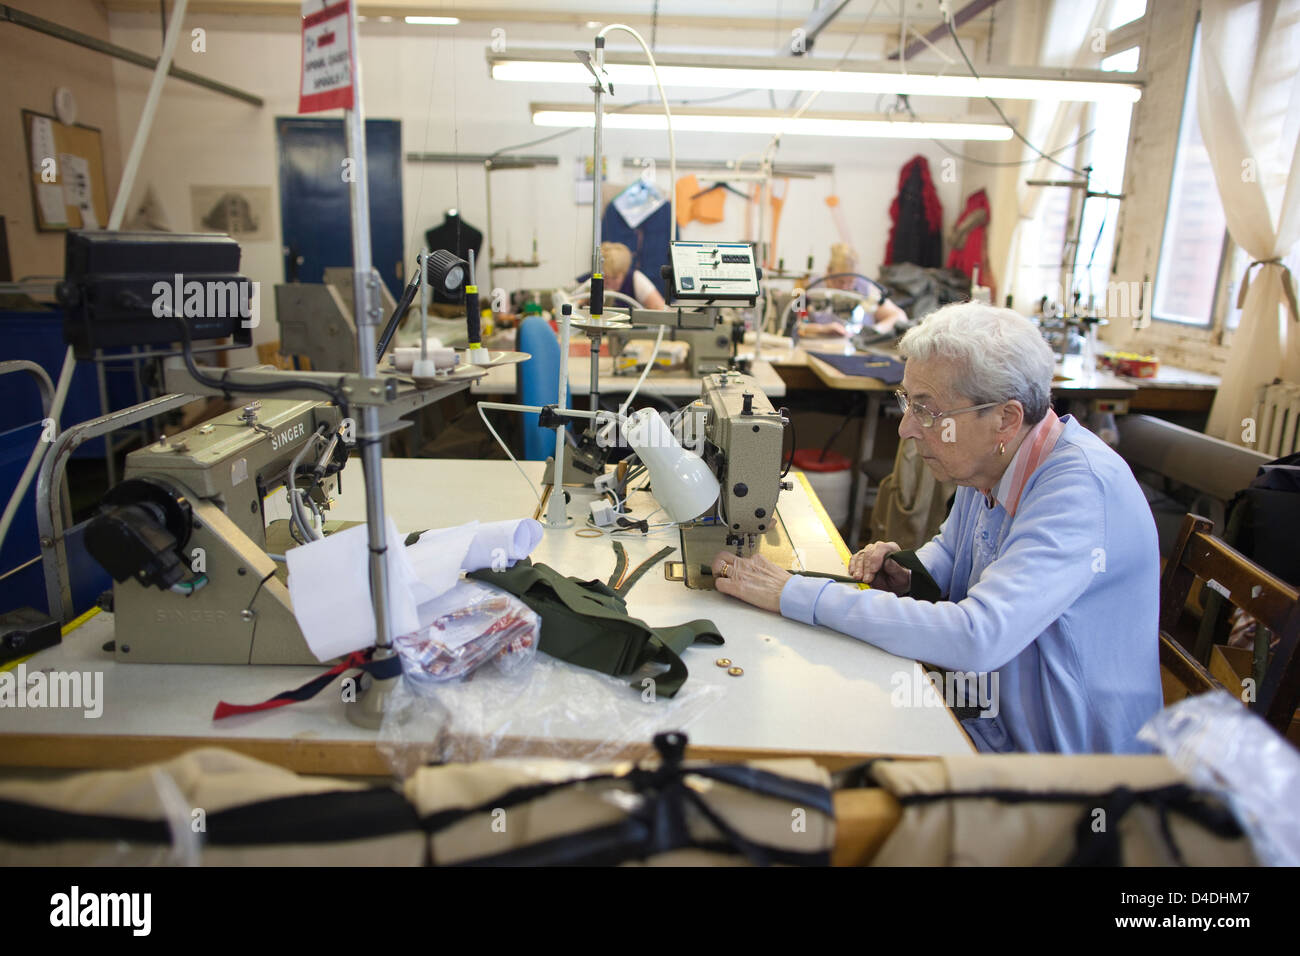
(1288,285)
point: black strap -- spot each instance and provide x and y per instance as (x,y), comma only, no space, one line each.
(924,587)
(659,822)
(1102,847)
(328,817)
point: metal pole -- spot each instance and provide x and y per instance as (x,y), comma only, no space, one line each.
(424,304)
(557,515)
(491,233)
(595,370)
(597,151)
(368,711)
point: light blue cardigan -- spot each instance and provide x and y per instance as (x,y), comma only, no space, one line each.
(1060,599)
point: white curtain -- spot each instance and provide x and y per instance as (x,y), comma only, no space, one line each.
(1249,111)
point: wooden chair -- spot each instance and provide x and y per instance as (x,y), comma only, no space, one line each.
(1198,555)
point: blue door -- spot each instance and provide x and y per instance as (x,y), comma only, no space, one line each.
(315,213)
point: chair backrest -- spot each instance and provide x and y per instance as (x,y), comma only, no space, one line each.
(1198,555)
(539,383)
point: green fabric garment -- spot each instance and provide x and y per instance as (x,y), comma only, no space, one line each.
(586,623)
(924,587)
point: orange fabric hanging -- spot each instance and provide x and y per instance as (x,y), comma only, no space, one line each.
(686,187)
(709,207)
(778,202)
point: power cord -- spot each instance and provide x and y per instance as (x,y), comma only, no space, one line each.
(994,103)
(227,389)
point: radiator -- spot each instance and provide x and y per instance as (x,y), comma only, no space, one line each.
(1277,414)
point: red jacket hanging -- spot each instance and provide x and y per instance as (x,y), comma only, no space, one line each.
(969,241)
(916,235)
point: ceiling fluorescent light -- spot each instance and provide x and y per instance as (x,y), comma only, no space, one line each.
(434,21)
(770,123)
(559,66)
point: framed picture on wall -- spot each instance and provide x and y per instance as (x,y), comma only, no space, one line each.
(66,169)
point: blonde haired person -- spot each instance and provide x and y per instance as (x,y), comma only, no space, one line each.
(637,285)
(842,274)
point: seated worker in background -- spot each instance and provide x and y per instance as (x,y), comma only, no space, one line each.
(1048,563)
(844,262)
(618,263)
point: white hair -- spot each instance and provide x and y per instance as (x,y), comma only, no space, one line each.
(998,354)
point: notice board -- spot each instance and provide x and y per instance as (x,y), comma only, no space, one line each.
(66,169)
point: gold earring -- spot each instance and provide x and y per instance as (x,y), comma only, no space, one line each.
(1002,448)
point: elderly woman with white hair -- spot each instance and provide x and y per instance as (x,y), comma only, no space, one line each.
(1047,566)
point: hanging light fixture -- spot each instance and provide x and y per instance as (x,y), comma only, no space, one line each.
(765,73)
(770,122)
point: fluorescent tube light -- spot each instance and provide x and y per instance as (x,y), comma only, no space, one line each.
(751,73)
(434,21)
(770,123)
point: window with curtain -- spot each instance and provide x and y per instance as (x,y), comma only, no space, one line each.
(1196,252)
(1191,248)
(1237,262)
(1104,128)
(1107,153)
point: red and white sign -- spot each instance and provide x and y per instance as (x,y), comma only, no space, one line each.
(326,57)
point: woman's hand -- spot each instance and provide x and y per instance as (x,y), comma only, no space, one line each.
(755,579)
(822,329)
(871,566)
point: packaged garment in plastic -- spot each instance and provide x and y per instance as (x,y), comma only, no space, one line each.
(469,626)
(1224,748)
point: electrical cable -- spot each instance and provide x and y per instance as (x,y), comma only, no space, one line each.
(992,102)
(794,441)
(295,493)
(482,413)
(668,113)
(622,411)
(1024,162)
(227,388)
(957,154)
(835,69)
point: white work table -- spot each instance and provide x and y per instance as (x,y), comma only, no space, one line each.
(673,385)
(805,690)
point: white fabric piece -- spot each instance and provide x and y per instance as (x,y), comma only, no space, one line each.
(499,544)
(329,580)
(1252,147)
(329,584)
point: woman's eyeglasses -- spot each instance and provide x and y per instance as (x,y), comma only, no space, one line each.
(927,418)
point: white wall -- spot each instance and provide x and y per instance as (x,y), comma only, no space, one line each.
(435,81)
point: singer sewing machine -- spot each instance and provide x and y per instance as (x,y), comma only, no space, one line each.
(185,537)
(742,441)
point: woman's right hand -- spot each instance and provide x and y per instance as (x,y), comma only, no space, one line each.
(871,566)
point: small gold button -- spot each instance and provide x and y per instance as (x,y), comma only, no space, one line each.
(736,671)
(723,662)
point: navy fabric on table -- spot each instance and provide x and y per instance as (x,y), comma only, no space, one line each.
(888,370)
